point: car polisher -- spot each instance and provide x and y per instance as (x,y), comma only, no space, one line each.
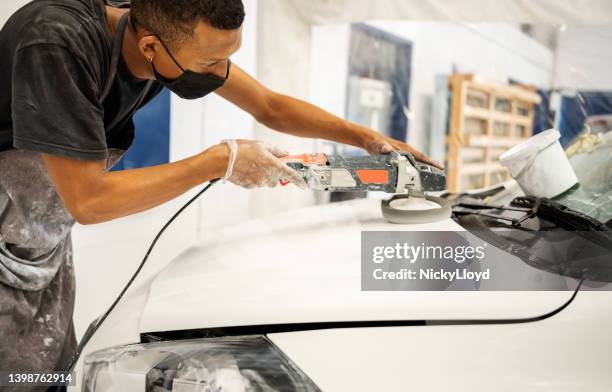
(397,172)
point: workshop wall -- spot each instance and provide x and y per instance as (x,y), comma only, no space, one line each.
(495,52)
(222,120)
(283,64)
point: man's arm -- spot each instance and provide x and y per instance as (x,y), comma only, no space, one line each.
(299,118)
(93,195)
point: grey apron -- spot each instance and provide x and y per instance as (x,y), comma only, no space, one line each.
(37,284)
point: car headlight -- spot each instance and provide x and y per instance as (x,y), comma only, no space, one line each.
(229,364)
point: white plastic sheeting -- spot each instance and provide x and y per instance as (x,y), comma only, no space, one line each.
(524,11)
(584,57)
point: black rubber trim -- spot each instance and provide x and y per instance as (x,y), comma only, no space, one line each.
(265,329)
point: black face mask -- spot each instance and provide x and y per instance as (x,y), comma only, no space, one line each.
(190,85)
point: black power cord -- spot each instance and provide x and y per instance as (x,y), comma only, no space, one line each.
(91,331)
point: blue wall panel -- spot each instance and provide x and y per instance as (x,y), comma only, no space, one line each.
(152,141)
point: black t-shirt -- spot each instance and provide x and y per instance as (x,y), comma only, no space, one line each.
(55,60)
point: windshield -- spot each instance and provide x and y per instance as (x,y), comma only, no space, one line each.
(591,157)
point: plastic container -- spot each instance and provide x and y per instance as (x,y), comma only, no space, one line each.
(540,165)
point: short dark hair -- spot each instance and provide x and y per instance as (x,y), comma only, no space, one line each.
(174,20)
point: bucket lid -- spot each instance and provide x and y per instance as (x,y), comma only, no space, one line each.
(530,146)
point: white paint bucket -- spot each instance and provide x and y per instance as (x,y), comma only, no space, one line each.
(540,165)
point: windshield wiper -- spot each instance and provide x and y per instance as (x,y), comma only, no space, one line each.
(559,214)
(469,206)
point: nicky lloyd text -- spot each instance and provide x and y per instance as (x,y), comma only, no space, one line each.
(431,274)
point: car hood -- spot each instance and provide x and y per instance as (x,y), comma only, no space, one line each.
(303,266)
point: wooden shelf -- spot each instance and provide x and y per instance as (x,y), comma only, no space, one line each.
(486,119)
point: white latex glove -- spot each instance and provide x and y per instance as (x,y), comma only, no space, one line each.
(255,164)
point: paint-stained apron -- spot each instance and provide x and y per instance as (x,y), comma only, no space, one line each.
(37,283)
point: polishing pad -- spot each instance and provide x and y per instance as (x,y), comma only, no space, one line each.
(410,209)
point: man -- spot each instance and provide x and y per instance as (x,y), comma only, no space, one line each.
(73,74)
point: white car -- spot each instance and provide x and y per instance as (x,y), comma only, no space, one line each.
(277,305)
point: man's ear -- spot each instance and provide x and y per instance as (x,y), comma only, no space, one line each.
(147,46)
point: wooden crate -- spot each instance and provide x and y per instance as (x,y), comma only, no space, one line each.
(486,120)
